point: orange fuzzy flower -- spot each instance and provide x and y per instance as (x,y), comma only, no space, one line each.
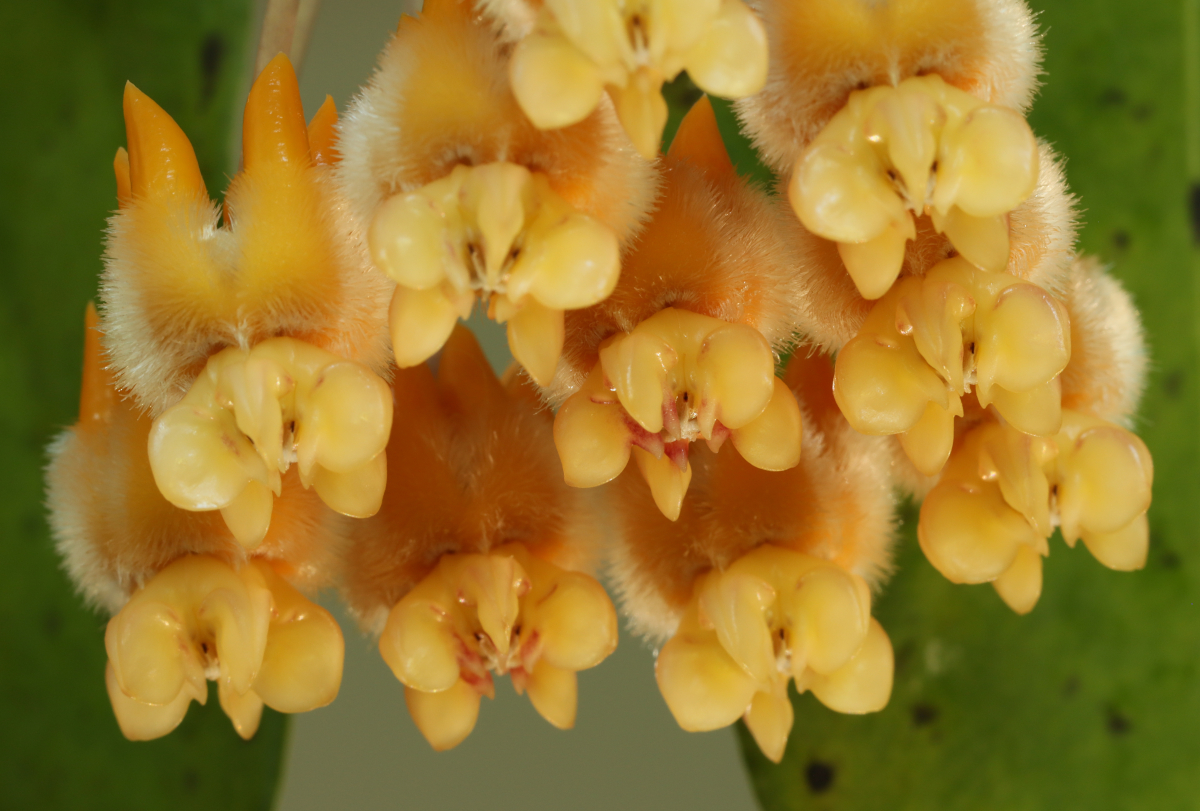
(764,576)
(178,286)
(465,200)
(684,347)
(166,575)
(471,567)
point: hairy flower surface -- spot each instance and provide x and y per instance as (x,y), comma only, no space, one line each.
(571,51)
(179,286)
(934,338)
(464,199)
(684,347)
(189,603)
(473,564)
(763,578)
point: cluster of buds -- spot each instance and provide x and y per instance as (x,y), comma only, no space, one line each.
(299,368)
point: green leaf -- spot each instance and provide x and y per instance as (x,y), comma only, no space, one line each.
(65,63)
(1093,700)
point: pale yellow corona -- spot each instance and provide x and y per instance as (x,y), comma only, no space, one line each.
(1004,492)
(506,611)
(921,147)
(934,338)
(252,413)
(500,233)
(677,377)
(580,48)
(774,616)
(199,619)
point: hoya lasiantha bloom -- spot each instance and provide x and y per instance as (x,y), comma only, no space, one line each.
(472,566)
(257,322)
(684,348)
(917,259)
(464,200)
(1003,492)
(569,53)
(765,578)
(189,602)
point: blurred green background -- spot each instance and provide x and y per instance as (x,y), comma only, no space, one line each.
(1093,700)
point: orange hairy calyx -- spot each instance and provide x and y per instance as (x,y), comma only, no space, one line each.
(252,413)
(932,338)
(1003,493)
(506,611)
(922,147)
(246,629)
(677,377)
(774,615)
(631,47)
(500,232)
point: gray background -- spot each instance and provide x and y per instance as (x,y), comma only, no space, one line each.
(363,752)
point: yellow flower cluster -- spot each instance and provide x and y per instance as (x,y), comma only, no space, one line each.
(259,419)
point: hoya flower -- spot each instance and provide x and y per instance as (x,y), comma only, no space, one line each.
(1003,492)
(472,567)
(764,578)
(921,148)
(189,604)
(903,140)
(570,52)
(465,201)
(179,285)
(196,306)
(684,348)
(957,330)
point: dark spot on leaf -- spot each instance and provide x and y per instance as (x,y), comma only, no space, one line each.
(212,53)
(819,776)
(1194,211)
(1113,96)
(1169,559)
(1120,240)
(191,781)
(51,622)
(1143,111)
(1116,722)
(924,714)
(1070,686)
(1173,383)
